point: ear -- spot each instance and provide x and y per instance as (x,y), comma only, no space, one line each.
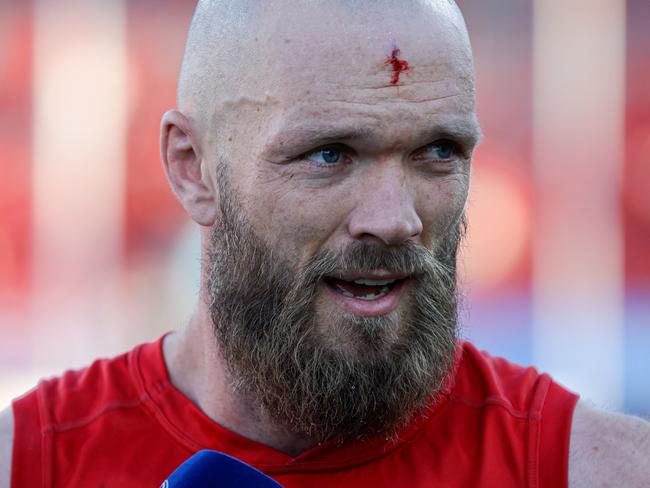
(182,161)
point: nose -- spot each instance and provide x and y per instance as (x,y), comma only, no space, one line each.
(385,209)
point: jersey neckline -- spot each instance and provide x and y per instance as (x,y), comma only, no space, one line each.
(192,428)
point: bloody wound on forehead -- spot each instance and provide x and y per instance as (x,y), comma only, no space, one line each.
(398,65)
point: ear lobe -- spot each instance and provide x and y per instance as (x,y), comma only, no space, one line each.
(182,161)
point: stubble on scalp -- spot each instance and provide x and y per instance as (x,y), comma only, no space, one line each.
(266,328)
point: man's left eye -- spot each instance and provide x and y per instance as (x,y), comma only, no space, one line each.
(442,150)
(326,155)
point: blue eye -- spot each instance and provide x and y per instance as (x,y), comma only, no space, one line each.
(327,155)
(443,149)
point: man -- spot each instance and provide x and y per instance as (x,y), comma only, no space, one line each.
(324,147)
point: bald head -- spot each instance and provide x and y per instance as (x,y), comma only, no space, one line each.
(243,52)
(309,127)
(260,81)
(216,39)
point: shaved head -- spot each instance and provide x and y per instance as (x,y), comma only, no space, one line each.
(237,50)
(327,131)
(217,37)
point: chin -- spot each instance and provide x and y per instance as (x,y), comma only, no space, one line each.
(358,336)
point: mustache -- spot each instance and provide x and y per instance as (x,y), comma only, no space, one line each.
(409,258)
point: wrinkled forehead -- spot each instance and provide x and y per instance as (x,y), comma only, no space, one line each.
(290,61)
(333,43)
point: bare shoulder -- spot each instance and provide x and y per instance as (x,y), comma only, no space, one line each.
(608,449)
(6,445)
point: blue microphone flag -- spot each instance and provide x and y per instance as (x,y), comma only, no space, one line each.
(207,469)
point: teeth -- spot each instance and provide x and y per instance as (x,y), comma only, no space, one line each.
(374,282)
(370,297)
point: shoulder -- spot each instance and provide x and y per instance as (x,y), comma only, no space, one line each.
(6,445)
(608,449)
(484,377)
(79,396)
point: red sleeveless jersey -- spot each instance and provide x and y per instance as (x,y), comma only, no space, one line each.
(121,423)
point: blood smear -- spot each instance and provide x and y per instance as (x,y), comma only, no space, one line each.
(398,65)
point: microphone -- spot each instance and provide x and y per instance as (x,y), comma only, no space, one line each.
(207,469)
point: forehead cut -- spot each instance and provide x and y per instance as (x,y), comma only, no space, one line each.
(235,46)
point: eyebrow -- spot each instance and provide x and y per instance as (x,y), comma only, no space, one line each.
(317,136)
(466,131)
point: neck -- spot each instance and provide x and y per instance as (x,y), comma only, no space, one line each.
(196,368)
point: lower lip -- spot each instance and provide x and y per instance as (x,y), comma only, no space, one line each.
(368,308)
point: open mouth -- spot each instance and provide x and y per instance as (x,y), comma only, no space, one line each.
(366,295)
(362,289)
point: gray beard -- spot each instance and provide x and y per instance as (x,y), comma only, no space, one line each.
(270,335)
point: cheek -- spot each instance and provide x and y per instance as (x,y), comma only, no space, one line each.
(440,204)
(300,222)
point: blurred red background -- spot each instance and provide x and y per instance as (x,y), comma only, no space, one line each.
(65,318)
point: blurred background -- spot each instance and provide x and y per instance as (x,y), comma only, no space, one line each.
(97,256)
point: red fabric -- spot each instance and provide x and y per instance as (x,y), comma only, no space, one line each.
(121,423)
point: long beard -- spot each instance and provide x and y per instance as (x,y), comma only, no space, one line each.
(272,341)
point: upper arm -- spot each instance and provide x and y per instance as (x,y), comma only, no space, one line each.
(608,449)
(6,446)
